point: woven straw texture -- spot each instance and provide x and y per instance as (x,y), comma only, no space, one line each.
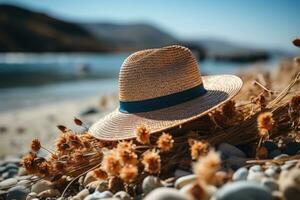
(158,72)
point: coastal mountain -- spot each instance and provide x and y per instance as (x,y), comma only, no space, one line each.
(130,36)
(28,31)
(23,30)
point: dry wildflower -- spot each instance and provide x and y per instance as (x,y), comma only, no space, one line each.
(78,121)
(199,148)
(116,184)
(197,192)
(296,42)
(143,134)
(125,145)
(59,166)
(111,163)
(263,134)
(229,108)
(265,121)
(294,107)
(35,145)
(61,143)
(45,168)
(128,157)
(151,161)
(129,173)
(62,128)
(28,162)
(206,167)
(165,142)
(74,140)
(261,152)
(100,174)
(259,100)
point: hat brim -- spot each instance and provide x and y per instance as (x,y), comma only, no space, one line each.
(119,126)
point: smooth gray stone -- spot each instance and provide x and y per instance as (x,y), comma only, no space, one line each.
(17,193)
(99,195)
(281,156)
(255,168)
(10,173)
(287,166)
(165,194)
(122,195)
(243,190)
(8,183)
(229,150)
(236,162)
(150,183)
(271,172)
(184,180)
(240,174)
(270,183)
(255,176)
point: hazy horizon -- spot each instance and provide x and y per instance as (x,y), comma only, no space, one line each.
(270,25)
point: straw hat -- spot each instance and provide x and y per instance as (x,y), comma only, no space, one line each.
(163,88)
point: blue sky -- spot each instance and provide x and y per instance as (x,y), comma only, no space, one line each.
(270,24)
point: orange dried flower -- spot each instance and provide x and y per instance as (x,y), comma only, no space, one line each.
(143,134)
(165,142)
(229,108)
(265,121)
(59,166)
(199,148)
(206,167)
(61,143)
(35,145)
(74,140)
(263,134)
(129,173)
(45,168)
(28,162)
(125,145)
(100,174)
(127,157)
(261,152)
(111,163)
(151,161)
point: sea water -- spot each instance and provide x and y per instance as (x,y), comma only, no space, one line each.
(28,79)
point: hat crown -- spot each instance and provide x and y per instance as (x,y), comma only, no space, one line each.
(155,73)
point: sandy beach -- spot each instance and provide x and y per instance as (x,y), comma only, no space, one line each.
(19,127)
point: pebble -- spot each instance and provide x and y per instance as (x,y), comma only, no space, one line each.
(272,172)
(165,194)
(255,176)
(49,193)
(93,185)
(31,196)
(287,166)
(240,174)
(255,168)
(281,156)
(270,183)
(10,173)
(41,186)
(236,162)
(229,150)
(17,193)
(81,195)
(289,184)
(8,182)
(150,183)
(102,186)
(88,179)
(99,195)
(274,153)
(179,173)
(184,180)
(243,190)
(122,195)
